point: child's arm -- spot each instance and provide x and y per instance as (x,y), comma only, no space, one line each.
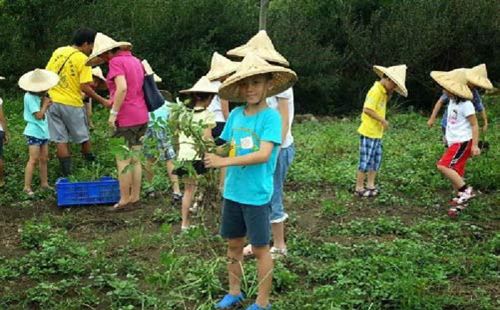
(485,120)
(375,116)
(285,124)
(475,134)
(46,103)
(261,156)
(435,111)
(3,121)
(89,91)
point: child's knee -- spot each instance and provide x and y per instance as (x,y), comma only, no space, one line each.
(236,245)
(260,251)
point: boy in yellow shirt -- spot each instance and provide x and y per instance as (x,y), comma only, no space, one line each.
(373,124)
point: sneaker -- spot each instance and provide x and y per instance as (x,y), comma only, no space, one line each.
(463,197)
(177,197)
(257,307)
(230,301)
(277,253)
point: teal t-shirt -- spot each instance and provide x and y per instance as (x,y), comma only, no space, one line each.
(252,185)
(37,128)
(162,113)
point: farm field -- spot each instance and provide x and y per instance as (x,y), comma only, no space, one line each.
(397,251)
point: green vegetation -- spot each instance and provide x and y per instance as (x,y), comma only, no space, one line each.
(398,251)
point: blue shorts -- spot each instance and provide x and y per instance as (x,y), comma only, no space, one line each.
(370,154)
(285,158)
(36,141)
(240,220)
(160,139)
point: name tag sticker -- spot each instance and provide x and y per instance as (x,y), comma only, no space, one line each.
(246,143)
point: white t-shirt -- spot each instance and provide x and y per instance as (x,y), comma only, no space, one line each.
(272,102)
(186,144)
(458,128)
(216,107)
(1,102)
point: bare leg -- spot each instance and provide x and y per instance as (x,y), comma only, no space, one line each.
(34,155)
(86,147)
(125,179)
(187,199)
(265,274)
(43,160)
(173,178)
(63,150)
(135,194)
(278,235)
(360,180)
(456,180)
(372,174)
(234,264)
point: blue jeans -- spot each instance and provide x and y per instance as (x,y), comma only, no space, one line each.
(285,159)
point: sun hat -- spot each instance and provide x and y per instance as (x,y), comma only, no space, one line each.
(221,66)
(2,78)
(479,76)
(103,44)
(454,81)
(204,85)
(149,71)
(38,80)
(261,45)
(283,78)
(97,72)
(397,74)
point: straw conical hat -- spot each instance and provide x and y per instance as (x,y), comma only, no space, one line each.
(261,45)
(2,78)
(203,86)
(97,72)
(38,80)
(397,74)
(454,81)
(103,44)
(479,77)
(221,66)
(283,78)
(149,71)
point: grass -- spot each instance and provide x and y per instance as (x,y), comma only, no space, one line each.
(397,251)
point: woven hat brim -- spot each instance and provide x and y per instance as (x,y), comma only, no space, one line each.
(243,50)
(480,81)
(27,85)
(95,60)
(283,78)
(400,86)
(217,74)
(457,89)
(199,90)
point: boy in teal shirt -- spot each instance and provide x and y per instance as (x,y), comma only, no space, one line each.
(254,134)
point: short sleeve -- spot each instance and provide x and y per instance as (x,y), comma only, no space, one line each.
(226,134)
(444,98)
(372,99)
(85,71)
(468,109)
(272,127)
(210,119)
(287,94)
(33,104)
(115,69)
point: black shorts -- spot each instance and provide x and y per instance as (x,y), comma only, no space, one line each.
(133,135)
(198,165)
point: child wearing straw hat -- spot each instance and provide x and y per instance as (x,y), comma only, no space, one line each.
(477,78)
(201,95)
(462,134)
(4,138)
(254,134)
(283,102)
(373,125)
(36,103)
(98,83)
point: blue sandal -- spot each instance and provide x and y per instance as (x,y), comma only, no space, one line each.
(230,301)
(257,307)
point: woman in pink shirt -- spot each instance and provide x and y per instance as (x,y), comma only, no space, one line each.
(129,114)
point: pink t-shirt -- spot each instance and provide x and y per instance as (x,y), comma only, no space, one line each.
(133,111)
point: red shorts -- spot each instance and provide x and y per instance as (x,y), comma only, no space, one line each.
(456,156)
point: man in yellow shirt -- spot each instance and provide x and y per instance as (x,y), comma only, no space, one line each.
(373,124)
(67,117)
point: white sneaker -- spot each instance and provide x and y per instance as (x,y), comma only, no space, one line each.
(464,196)
(278,253)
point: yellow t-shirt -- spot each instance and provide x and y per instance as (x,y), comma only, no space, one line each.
(74,73)
(187,151)
(376,100)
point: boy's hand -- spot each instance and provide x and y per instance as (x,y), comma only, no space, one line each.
(213,161)
(107,103)
(385,124)
(475,151)
(430,122)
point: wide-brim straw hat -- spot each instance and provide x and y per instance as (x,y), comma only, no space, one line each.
(282,78)
(454,81)
(220,67)
(149,71)
(261,45)
(204,85)
(97,72)
(397,74)
(478,76)
(38,80)
(2,78)
(103,44)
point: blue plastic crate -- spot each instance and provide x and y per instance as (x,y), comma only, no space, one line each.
(103,191)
